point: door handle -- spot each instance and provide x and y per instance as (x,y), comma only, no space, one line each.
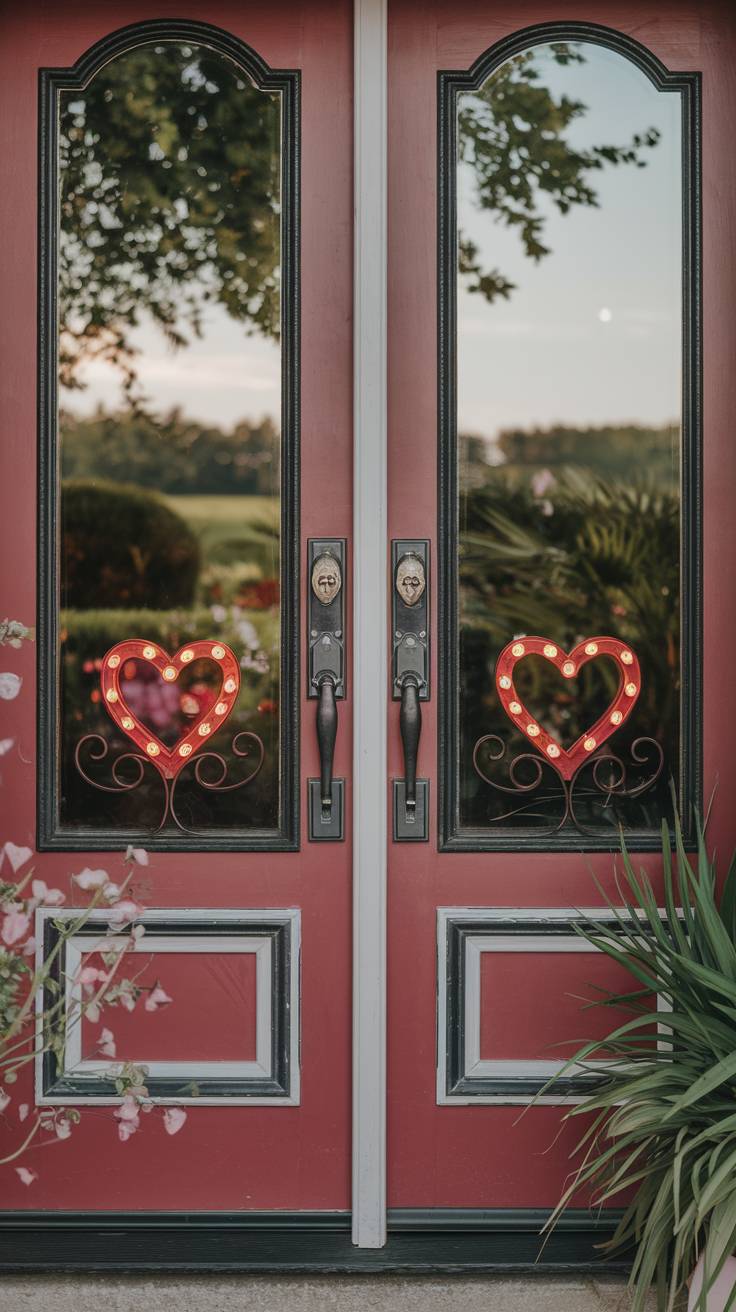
(410,726)
(326,681)
(410,668)
(326,735)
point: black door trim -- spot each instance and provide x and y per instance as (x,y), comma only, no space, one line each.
(419,1240)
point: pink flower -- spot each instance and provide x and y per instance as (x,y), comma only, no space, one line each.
(63,1127)
(23,1111)
(157,998)
(125,994)
(17,856)
(4,1098)
(29,947)
(25,1176)
(90,975)
(88,879)
(50,897)
(92,1012)
(106,1043)
(127,1116)
(137,854)
(542,481)
(174,1119)
(123,912)
(16,924)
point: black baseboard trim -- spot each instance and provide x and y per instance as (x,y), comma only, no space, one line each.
(420,1240)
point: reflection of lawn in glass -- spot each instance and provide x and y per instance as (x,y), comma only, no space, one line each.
(233,529)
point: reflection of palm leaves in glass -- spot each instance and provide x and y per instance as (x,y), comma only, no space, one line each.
(604,561)
(169,162)
(512,135)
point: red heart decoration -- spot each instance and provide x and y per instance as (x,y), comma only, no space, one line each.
(170,760)
(566,762)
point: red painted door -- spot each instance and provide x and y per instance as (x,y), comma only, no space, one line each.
(545,283)
(195,383)
(560,283)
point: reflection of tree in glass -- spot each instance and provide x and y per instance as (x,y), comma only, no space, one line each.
(511,132)
(169,165)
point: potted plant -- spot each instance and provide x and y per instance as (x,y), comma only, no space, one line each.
(660,1124)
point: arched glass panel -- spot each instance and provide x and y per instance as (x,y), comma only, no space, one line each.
(175,450)
(567,425)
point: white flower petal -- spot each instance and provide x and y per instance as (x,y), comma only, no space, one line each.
(9,686)
(174,1119)
(88,879)
(17,856)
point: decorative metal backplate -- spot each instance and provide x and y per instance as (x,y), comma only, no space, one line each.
(410,613)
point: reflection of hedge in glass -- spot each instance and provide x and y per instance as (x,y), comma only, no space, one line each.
(123,548)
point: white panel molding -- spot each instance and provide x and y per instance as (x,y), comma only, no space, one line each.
(474,1067)
(96,1069)
(370,604)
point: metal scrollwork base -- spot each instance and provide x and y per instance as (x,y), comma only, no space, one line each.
(538,786)
(94,750)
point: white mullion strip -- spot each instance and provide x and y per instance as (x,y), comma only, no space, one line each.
(370,627)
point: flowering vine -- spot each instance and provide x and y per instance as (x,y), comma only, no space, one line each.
(27,973)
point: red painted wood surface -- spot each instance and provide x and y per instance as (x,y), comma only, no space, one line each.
(211,1016)
(225,1158)
(530,1005)
(480,1156)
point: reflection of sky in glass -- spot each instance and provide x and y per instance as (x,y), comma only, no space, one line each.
(591,334)
(220,378)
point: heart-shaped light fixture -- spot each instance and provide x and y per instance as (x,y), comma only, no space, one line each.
(568,761)
(170,760)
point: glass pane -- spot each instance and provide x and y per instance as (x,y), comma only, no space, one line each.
(569,351)
(170,422)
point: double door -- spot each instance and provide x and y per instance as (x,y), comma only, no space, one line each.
(381,369)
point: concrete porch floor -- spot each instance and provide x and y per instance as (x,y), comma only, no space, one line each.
(336,1293)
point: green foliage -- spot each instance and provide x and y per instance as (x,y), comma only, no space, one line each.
(14,634)
(170,199)
(604,561)
(664,1117)
(617,450)
(124,547)
(512,133)
(171,454)
(15,972)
